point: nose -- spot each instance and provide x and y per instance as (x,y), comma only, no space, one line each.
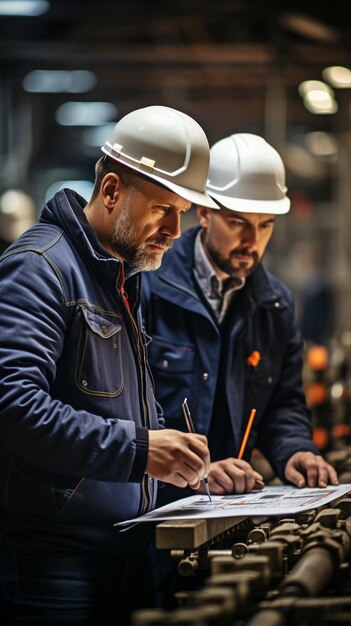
(171,225)
(250,236)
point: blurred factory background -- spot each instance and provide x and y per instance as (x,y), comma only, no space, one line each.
(71,68)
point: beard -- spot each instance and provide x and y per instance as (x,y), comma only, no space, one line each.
(226,264)
(127,245)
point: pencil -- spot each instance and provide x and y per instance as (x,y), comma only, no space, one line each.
(191,429)
(247,433)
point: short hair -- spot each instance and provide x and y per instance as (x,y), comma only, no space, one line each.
(104,166)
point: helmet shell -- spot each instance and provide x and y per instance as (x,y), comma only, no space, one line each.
(168,147)
(247,174)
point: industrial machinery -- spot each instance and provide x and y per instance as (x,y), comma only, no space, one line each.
(275,572)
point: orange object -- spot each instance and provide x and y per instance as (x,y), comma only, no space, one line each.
(316,394)
(341,430)
(320,438)
(317,358)
(246,435)
(254,358)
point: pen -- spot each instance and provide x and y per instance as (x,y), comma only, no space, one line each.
(191,429)
(246,435)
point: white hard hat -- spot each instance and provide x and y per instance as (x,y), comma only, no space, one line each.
(247,174)
(166,146)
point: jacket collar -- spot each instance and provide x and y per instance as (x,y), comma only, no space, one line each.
(66,210)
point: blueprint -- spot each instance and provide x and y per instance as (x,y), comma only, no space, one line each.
(271,500)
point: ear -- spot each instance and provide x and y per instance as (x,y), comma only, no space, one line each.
(202,214)
(110,189)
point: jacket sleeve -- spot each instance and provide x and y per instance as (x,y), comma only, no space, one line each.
(285,427)
(34,425)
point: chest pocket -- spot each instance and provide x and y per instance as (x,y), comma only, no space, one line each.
(99,365)
(173,370)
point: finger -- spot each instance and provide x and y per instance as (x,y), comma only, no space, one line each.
(178,480)
(326,474)
(259,484)
(231,477)
(295,477)
(241,463)
(193,479)
(332,475)
(186,477)
(195,486)
(217,488)
(315,472)
(218,478)
(254,480)
(244,478)
(239,481)
(198,444)
(258,477)
(322,476)
(195,457)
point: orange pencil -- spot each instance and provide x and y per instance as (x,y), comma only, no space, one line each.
(246,435)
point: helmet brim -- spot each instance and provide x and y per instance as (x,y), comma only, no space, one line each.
(244,205)
(193,196)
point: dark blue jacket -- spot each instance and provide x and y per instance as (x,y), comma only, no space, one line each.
(76,398)
(185,350)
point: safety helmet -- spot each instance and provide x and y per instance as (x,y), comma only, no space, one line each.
(247,174)
(167,147)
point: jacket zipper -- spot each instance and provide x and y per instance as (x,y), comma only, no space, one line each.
(141,361)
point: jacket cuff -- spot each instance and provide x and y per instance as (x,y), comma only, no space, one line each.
(142,447)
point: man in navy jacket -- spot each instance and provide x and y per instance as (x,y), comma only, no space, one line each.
(224,333)
(82,440)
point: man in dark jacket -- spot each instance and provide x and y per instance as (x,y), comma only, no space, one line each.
(224,336)
(82,443)
(224,333)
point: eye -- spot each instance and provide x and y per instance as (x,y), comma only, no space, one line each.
(236,223)
(162,208)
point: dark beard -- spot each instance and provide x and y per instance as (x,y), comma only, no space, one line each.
(225,265)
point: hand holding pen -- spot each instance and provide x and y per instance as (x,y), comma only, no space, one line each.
(178,458)
(234,474)
(191,429)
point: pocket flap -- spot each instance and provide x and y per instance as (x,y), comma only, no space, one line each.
(171,358)
(100,325)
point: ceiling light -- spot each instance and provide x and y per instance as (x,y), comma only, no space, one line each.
(59,81)
(26,8)
(318,97)
(320,103)
(314,85)
(337,76)
(321,144)
(306,26)
(96,137)
(86,113)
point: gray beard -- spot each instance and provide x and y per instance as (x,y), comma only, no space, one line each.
(125,241)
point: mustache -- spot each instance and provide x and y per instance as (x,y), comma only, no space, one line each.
(244,252)
(161,240)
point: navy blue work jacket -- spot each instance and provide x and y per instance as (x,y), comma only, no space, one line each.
(76,396)
(185,350)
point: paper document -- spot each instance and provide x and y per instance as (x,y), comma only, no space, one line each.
(275,500)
